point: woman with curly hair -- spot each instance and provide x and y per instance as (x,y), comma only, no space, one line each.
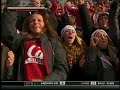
(75,50)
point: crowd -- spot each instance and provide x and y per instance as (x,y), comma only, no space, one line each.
(78,40)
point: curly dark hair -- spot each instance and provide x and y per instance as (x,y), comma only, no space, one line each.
(49,29)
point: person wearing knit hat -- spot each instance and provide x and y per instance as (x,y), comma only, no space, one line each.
(101,57)
(66,28)
(75,51)
(100,38)
(97,31)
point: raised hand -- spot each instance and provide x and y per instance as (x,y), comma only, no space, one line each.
(94,41)
(11,58)
(82,61)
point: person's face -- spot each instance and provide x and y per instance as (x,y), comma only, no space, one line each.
(103,22)
(103,40)
(50,5)
(69,36)
(76,2)
(36,3)
(87,4)
(98,8)
(36,24)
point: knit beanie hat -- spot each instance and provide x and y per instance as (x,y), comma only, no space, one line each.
(101,30)
(67,27)
(97,31)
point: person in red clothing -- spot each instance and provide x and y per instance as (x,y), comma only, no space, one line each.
(57,8)
(39,54)
(73,10)
(34,64)
(89,7)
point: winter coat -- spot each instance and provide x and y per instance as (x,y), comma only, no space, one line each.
(55,55)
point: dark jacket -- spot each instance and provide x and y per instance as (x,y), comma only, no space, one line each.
(87,25)
(55,55)
(93,69)
(114,22)
(76,73)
